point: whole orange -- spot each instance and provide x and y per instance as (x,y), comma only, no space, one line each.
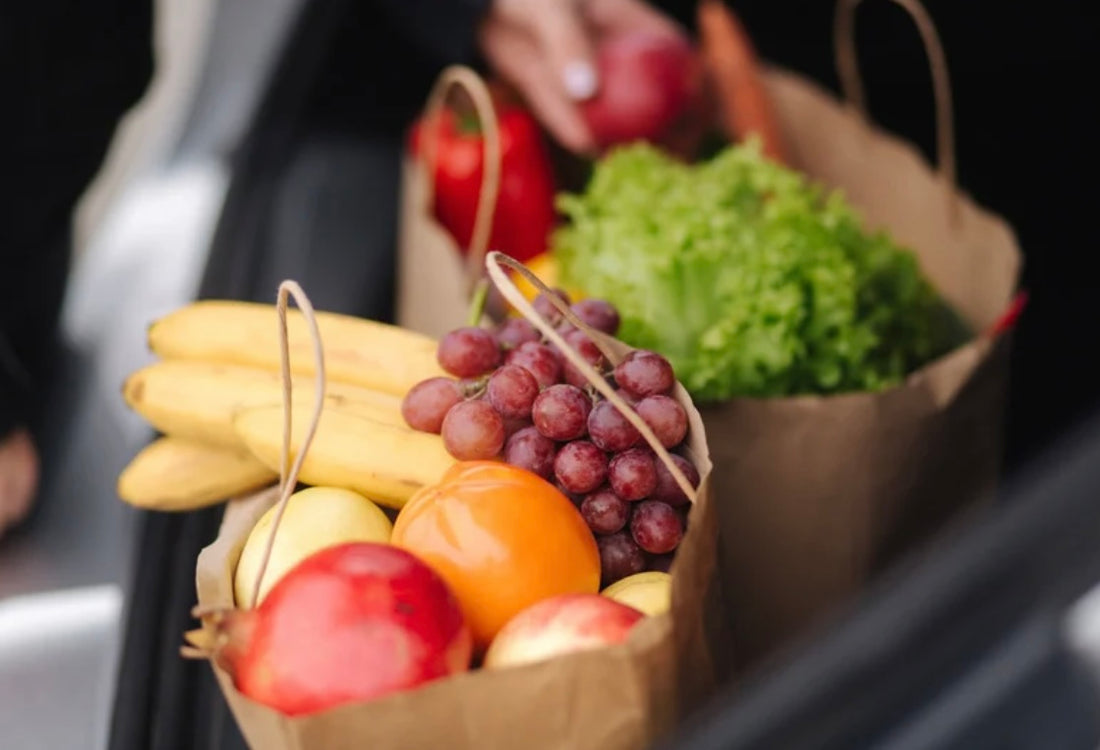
(502,538)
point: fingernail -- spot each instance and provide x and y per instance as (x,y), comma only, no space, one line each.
(580,80)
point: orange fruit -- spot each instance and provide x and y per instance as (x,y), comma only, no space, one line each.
(502,538)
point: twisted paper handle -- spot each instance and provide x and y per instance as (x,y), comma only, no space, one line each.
(461,77)
(851,83)
(288,476)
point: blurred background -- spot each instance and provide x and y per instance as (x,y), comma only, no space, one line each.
(257,150)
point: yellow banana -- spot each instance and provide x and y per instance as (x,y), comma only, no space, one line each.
(198,400)
(175,474)
(387,463)
(362,352)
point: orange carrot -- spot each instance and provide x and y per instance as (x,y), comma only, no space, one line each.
(734,70)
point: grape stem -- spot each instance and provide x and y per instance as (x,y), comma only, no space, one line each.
(477,302)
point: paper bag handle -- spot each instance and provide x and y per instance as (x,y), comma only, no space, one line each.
(288,474)
(851,83)
(464,78)
(494,263)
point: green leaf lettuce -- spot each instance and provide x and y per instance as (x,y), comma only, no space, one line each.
(749,278)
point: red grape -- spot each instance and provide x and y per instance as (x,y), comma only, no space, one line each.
(661,563)
(644,374)
(512,390)
(512,426)
(668,490)
(588,350)
(539,360)
(633,474)
(468,352)
(545,308)
(629,398)
(598,314)
(620,556)
(605,512)
(610,430)
(573,496)
(472,430)
(529,449)
(580,467)
(561,412)
(427,403)
(656,527)
(665,417)
(516,331)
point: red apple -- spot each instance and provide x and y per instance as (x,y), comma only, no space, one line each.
(647,83)
(561,625)
(347,624)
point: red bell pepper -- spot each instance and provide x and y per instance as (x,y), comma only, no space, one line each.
(524,214)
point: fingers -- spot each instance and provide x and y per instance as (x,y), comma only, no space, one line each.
(18,477)
(521,60)
(560,31)
(546,49)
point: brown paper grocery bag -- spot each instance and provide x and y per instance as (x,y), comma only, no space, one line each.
(434,278)
(620,697)
(816,494)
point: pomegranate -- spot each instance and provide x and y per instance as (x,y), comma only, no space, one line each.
(348,624)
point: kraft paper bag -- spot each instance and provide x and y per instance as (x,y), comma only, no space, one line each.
(435,278)
(623,697)
(817,494)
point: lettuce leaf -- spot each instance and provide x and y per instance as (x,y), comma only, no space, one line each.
(749,278)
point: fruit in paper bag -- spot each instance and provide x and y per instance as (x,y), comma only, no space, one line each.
(385,462)
(173,474)
(566,433)
(561,625)
(649,592)
(359,352)
(349,624)
(314,519)
(198,400)
(502,538)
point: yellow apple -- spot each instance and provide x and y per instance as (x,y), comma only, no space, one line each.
(315,519)
(649,592)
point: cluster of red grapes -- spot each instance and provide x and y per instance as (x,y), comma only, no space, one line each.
(514,396)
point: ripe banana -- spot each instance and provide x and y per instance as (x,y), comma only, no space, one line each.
(197,400)
(362,352)
(172,474)
(387,463)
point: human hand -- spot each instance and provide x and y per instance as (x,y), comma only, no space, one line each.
(18,477)
(546,49)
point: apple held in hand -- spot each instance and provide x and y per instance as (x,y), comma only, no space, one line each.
(348,624)
(561,625)
(647,83)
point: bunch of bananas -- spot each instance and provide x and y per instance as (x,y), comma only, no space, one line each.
(215,395)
